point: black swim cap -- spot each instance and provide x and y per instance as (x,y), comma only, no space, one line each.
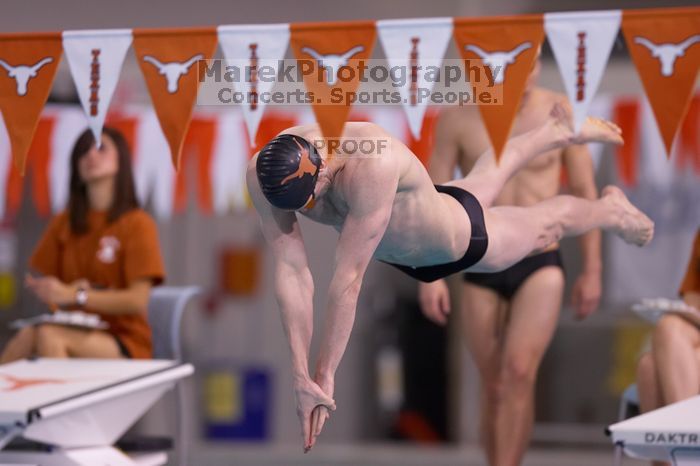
(287,169)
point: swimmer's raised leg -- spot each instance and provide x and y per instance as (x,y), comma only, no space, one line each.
(486,179)
(515,232)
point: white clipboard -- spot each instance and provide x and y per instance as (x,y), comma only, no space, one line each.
(652,309)
(69,318)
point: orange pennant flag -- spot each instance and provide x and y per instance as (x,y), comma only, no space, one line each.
(28,65)
(199,144)
(332,57)
(423,147)
(626,116)
(271,124)
(689,147)
(170,63)
(665,48)
(507,46)
(38,168)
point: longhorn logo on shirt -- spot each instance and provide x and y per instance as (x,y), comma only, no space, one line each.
(498,61)
(332,63)
(107,253)
(173,70)
(23,73)
(306,166)
(667,53)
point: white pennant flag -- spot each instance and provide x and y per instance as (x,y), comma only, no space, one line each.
(229,163)
(5,165)
(655,171)
(154,173)
(581,42)
(69,125)
(95,59)
(249,48)
(410,43)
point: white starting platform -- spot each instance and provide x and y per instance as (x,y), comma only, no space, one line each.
(78,408)
(671,433)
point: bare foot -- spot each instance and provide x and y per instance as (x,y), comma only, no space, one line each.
(634,227)
(592,130)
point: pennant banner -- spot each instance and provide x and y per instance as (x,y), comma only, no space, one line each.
(508,47)
(198,146)
(228,165)
(582,42)
(689,147)
(5,166)
(259,46)
(95,59)
(70,123)
(154,176)
(28,65)
(216,151)
(665,47)
(170,63)
(658,172)
(408,45)
(625,114)
(330,48)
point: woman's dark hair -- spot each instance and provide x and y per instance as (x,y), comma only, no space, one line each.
(124,192)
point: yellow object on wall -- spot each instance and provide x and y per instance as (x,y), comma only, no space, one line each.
(223,397)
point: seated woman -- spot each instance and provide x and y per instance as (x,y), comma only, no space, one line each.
(670,372)
(101,256)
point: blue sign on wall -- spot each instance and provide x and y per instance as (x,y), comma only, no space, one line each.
(237,404)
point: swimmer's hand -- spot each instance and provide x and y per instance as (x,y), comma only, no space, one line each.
(321,414)
(434,299)
(585,295)
(310,397)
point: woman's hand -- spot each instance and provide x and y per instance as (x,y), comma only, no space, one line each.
(51,290)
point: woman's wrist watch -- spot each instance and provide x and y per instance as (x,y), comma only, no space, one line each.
(81,296)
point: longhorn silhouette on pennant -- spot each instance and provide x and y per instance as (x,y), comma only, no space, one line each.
(23,73)
(667,53)
(332,63)
(173,70)
(498,61)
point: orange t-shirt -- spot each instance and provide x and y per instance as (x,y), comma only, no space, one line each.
(109,256)
(691,282)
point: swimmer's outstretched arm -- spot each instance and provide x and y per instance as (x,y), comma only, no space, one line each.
(294,289)
(369,192)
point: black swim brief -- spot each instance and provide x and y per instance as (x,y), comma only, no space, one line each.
(507,282)
(478,242)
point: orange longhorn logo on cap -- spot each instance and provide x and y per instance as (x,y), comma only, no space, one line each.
(305,165)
